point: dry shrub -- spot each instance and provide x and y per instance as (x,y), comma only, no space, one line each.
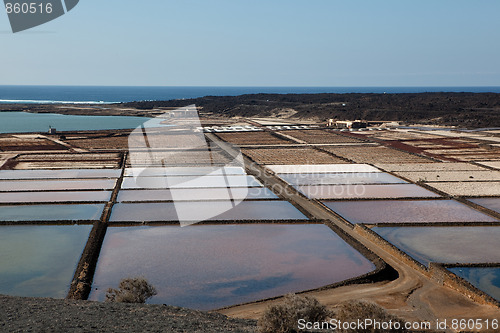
(283,317)
(131,290)
(352,311)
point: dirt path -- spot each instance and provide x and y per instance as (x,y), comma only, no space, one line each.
(5,157)
(412,296)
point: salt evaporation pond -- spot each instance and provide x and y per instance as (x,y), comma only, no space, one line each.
(23,122)
(246,210)
(365,191)
(83,212)
(57,185)
(490,203)
(445,244)
(400,211)
(62,196)
(486,279)
(211,266)
(340,178)
(183,171)
(190,182)
(192,194)
(39,261)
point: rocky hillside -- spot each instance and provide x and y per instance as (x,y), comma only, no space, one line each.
(471,110)
(56,315)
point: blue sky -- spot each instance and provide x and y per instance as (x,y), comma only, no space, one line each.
(260,43)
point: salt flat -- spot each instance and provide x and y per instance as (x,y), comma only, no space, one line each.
(457,176)
(469,189)
(441,166)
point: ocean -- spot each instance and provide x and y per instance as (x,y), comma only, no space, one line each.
(104,95)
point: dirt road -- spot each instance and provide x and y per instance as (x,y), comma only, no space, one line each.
(412,296)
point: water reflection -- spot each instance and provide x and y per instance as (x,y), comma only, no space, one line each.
(397,211)
(183,171)
(446,244)
(340,178)
(246,210)
(207,267)
(84,212)
(63,196)
(486,279)
(365,191)
(57,185)
(490,203)
(39,261)
(190,182)
(192,194)
(23,122)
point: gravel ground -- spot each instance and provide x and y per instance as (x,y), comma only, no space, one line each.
(290,156)
(469,189)
(54,315)
(252,138)
(495,165)
(363,154)
(320,136)
(453,176)
(428,167)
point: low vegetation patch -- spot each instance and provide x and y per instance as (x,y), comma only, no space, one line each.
(305,314)
(284,317)
(354,311)
(131,290)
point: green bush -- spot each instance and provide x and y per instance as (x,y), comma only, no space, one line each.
(352,311)
(131,290)
(284,317)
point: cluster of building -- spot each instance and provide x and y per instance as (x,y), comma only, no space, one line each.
(347,123)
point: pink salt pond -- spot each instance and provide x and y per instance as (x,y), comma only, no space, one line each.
(212,266)
(445,244)
(399,211)
(206,210)
(361,191)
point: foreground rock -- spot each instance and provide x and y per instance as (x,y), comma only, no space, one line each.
(54,315)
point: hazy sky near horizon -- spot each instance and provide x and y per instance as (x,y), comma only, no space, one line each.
(259,43)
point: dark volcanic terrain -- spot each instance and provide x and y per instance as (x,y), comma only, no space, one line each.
(456,109)
(56,315)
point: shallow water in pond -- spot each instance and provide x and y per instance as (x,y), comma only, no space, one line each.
(340,178)
(397,211)
(183,171)
(81,212)
(190,182)
(39,261)
(486,279)
(490,203)
(23,122)
(64,196)
(60,174)
(206,210)
(445,244)
(211,266)
(191,194)
(56,185)
(365,191)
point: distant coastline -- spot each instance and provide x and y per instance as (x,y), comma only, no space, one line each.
(464,110)
(110,94)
